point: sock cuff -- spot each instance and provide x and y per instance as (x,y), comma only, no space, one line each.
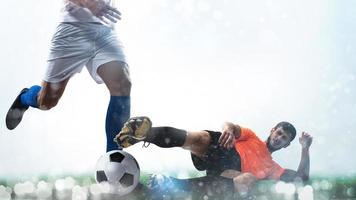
(120,97)
(29,98)
(167,137)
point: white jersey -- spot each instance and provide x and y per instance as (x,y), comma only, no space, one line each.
(72,12)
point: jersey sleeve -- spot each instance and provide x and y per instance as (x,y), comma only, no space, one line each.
(276,171)
(246,134)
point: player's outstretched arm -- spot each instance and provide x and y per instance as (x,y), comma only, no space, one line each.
(100,9)
(304,166)
(230,132)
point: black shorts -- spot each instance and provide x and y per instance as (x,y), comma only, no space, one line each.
(217,159)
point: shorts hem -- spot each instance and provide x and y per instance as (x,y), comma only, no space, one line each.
(56,80)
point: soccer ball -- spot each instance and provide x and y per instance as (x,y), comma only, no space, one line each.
(119,170)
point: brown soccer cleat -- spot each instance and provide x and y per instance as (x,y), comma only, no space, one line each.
(133,131)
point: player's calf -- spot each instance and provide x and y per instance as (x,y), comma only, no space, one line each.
(46,103)
(50,94)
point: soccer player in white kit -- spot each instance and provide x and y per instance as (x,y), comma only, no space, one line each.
(82,39)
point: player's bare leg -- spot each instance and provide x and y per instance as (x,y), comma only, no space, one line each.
(50,94)
(197,142)
(44,98)
(116,77)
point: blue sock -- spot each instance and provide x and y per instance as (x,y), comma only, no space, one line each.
(29,98)
(118,113)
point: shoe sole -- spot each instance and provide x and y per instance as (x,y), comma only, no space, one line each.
(16,111)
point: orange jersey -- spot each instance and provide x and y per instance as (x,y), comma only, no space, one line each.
(255,157)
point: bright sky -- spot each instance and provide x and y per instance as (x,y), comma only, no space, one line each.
(194,64)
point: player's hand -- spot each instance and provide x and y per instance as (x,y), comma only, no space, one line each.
(305,140)
(227,138)
(103,11)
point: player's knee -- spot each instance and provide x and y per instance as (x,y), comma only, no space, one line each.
(204,139)
(246,179)
(244,182)
(121,87)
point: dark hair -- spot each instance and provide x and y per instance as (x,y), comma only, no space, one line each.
(288,127)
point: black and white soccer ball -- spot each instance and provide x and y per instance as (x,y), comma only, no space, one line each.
(119,170)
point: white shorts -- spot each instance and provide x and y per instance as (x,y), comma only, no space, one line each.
(78,44)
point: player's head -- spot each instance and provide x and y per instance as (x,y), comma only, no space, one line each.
(281,136)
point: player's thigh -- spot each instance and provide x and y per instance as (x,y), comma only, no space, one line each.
(116,77)
(50,94)
(197,142)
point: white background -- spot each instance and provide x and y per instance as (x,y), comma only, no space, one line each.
(194,64)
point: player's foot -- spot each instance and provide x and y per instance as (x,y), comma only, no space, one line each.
(167,187)
(159,182)
(133,131)
(16,111)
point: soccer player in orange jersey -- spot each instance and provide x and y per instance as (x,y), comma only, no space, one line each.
(235,153)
